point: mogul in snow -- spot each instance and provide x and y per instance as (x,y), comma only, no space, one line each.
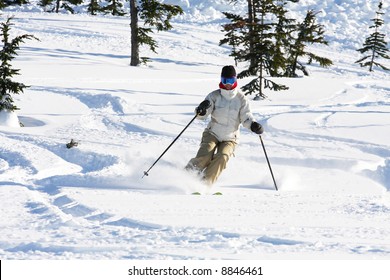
(228,108)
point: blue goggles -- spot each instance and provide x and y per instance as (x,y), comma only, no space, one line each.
(228,81)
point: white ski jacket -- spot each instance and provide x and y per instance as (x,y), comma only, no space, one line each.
(229,109)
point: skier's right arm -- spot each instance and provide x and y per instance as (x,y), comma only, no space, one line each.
(205,108)
(201,110)
(207,104)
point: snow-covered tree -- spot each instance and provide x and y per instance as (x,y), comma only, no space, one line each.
(6,3)
(375,44)
(56,5)
(283,38)
(93,7)
(254,39)
(47,5)
(154,15)
(8,87)
(115,8)
(271,43)
(309,32)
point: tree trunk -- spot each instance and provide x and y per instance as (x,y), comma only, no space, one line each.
(134,33)
(261,66)
(374,48)
(58,3)
(251,18)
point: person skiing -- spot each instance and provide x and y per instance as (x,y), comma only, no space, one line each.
(229,109)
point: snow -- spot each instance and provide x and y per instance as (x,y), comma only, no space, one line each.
(326,138)
(9,119)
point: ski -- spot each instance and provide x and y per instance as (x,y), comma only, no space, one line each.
(198,193)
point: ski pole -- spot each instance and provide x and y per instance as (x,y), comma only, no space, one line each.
(147,172)
(269,165)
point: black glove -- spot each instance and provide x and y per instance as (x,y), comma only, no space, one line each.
(201,110)
(257,128)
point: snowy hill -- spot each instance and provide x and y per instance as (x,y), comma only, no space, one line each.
(346,21)
(327,139)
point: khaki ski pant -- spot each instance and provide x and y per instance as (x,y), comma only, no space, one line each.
(212,157)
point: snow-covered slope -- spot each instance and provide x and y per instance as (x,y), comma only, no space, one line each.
(327,139)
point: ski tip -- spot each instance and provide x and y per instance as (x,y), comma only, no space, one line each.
(198,193)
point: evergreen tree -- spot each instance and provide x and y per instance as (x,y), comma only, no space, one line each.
(254,42)
(94,7)
(154,14)
(375,44)
(115,8)
(45,3)
(232,36)
(284,28)
(56,5)
(70,4)
(6,3)
(7,54)
(251,20)
(309,32)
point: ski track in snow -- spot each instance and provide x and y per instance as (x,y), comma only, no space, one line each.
(130,238)
(329,152)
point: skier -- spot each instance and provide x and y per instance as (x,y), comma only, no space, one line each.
(228,108)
